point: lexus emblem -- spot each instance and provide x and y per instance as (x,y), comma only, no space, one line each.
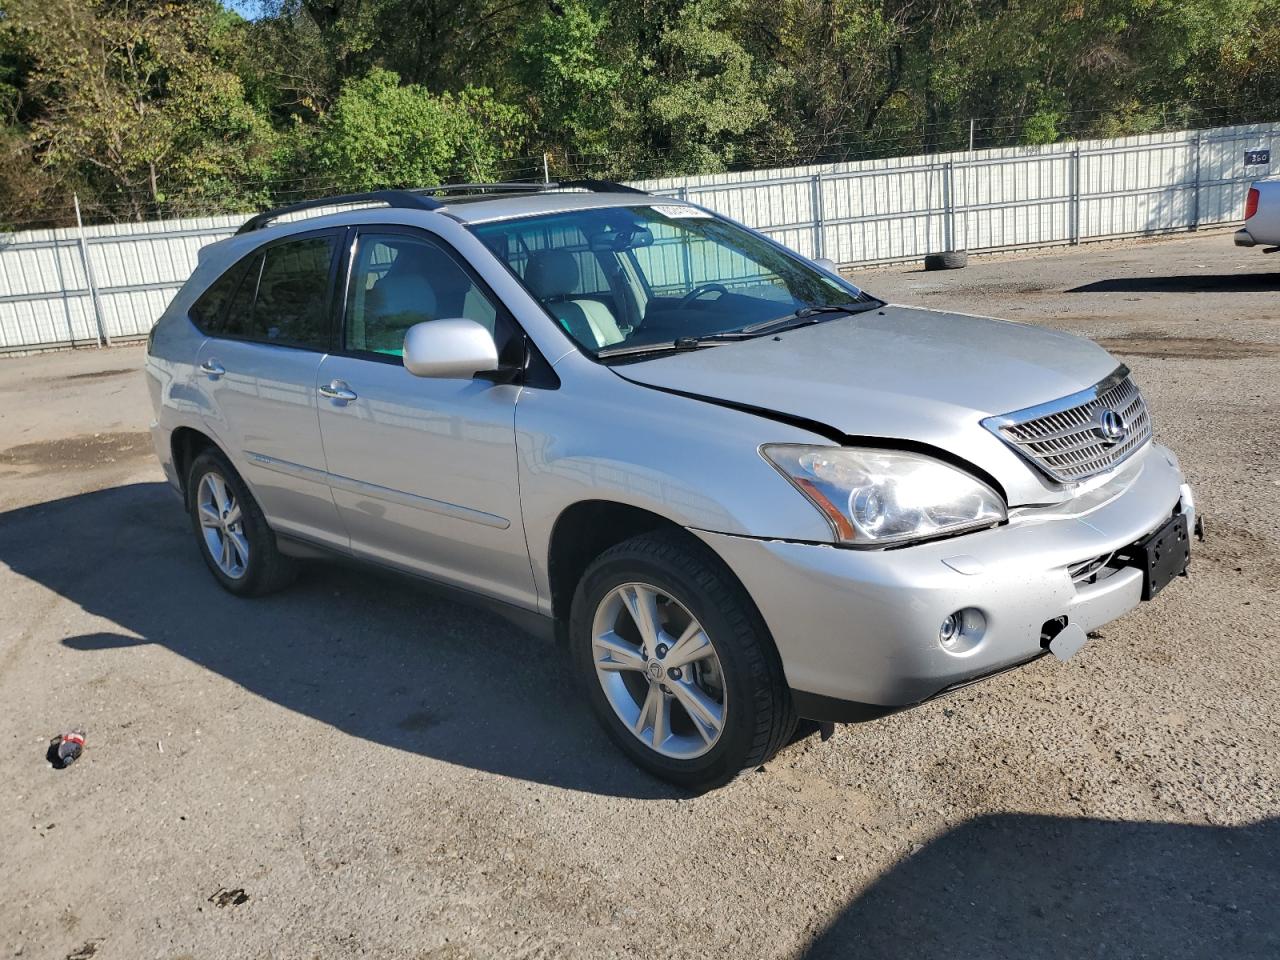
(1109,426)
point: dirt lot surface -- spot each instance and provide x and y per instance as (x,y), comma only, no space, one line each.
(358,768)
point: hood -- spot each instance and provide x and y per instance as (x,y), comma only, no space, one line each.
(901,373)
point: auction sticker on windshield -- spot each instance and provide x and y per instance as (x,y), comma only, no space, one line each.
(679,211)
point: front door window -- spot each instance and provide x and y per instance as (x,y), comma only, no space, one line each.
(401,280)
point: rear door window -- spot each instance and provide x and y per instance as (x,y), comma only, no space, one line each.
(239,316)
(292,305)
(282,295)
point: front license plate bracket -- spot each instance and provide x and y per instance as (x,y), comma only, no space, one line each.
(1163,555)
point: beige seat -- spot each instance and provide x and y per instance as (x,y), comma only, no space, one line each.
(553,277)
(399,299)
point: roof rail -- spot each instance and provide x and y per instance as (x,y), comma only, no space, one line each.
(412,199)
(508,186)
(420,198)
(595,186)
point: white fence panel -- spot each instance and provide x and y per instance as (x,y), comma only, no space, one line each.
(45,298)
(64,319)
(867,211)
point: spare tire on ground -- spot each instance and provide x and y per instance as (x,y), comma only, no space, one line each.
(952,260)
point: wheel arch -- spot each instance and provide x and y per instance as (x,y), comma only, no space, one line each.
(582,532)
(185,444)
(766,719)
(586,529)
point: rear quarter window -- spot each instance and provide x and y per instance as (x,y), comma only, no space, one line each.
(210,309)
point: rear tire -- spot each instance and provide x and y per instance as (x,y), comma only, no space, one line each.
(237,544)
(737,677)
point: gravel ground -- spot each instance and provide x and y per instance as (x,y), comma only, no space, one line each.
(358,768)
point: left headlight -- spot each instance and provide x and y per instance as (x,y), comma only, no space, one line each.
(876,498)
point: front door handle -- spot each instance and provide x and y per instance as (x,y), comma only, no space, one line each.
(337,390)
(213,369)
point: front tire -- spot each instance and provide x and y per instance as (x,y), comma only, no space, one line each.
(234,538)
(677,663)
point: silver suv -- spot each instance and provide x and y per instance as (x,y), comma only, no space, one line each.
(741,489)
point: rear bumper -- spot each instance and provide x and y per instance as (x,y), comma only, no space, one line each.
(1244,238)
(858,631)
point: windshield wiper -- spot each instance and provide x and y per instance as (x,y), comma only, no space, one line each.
(807,315)
(802,317)
(668,346)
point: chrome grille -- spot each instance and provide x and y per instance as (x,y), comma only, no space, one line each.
(1063,438)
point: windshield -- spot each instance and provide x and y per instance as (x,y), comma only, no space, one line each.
(622,279)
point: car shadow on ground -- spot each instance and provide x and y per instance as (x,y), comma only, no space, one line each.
(375,655)
(1024,887)
(1186,283)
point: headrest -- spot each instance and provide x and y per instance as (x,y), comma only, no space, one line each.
(551,273)
(410,258)
(403,290)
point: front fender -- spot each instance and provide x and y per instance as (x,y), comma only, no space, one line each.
(697,464)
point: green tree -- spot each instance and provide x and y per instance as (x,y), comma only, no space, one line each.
(380,133)
(452,44)
(838,68)
(133,103)
(712,92)
(23,185)
(146,106)
(308,49)
(569,81)
(296,54)
(1077,68)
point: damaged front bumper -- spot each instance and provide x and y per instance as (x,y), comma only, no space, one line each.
(859,630)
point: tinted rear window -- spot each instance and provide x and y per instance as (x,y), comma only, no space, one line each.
(279,295)
(292,306)
(209,311)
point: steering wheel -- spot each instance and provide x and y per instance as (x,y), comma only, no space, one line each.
(697,292)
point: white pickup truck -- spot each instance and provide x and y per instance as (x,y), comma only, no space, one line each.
(1261,216)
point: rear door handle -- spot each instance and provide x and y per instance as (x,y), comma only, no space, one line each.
(337,390)
(212,368)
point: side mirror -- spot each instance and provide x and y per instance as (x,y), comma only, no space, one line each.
(828,265)
(455,349)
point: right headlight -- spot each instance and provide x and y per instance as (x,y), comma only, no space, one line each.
(876,498)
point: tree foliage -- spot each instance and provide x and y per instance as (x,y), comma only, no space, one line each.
(134,103)
(571,84)
(148,107)
(381,133)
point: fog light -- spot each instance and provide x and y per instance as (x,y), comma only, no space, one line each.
(962,632)
(949,632)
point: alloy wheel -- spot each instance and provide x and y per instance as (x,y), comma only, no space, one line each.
(222,524)
(659,671)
